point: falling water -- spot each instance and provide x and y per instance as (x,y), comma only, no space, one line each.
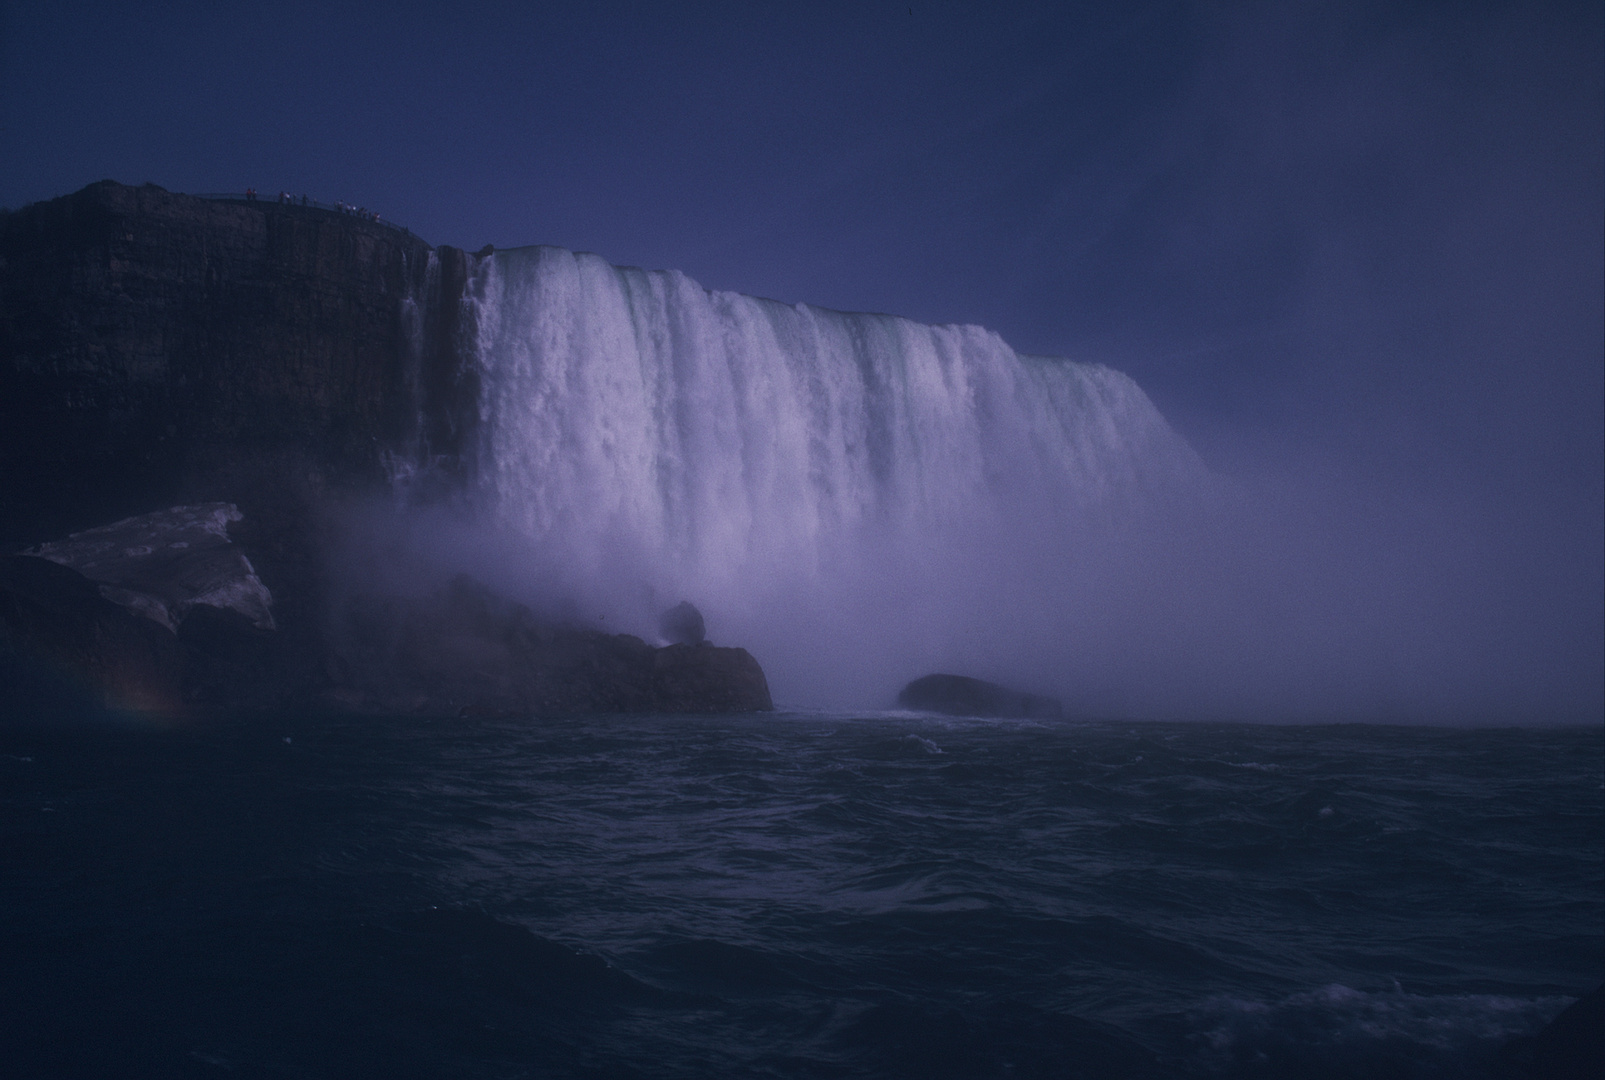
(799,473)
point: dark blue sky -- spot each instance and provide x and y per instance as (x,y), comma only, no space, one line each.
(1353,246)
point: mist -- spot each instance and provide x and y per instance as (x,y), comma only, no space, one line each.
(1423,393)
(1248,603)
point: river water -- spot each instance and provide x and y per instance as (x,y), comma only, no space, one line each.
(792,895)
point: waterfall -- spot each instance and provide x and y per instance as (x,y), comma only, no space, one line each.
(647,440)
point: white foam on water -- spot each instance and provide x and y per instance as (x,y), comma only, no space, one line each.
(1340,1018)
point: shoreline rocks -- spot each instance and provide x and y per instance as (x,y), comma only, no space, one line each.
(466,649)
(162,615)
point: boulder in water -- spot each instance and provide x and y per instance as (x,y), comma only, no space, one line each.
(960,695)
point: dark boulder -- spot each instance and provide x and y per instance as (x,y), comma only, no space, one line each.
(682,625)
(180,570)
(960,695)
(234,666)
(467,650)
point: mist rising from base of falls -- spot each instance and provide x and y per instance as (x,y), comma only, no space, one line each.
(860,500)
(1267,606)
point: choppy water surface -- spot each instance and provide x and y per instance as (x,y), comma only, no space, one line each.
(793,895)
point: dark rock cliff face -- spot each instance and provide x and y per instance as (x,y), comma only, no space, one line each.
(154,347)
(159,349)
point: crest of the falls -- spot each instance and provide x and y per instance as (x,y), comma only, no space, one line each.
(650,440)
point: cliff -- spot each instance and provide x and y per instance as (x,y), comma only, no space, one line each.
(155,343)
(162,350)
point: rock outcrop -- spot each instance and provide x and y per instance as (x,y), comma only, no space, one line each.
(682,625)
(69,641)
(960,695)
(162,565)
(465,649)
(160,614)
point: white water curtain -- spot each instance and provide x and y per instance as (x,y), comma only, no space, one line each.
(840,473)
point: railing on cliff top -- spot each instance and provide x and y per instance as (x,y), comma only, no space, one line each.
(302,202)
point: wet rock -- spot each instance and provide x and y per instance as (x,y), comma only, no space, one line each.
(234,666)
(467,650)
(706,678)
(164,564)
(682,625)
(461,650)
(160,613)
(960,695)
